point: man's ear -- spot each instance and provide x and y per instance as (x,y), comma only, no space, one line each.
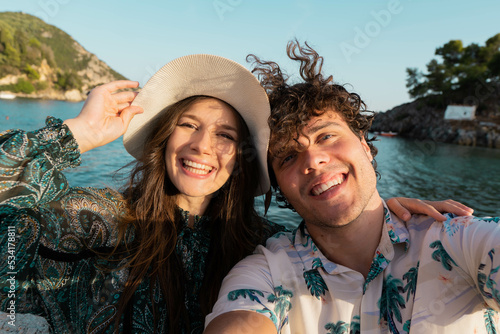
(366,147)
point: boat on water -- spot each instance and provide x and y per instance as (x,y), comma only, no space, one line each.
(389,134)
(7,96)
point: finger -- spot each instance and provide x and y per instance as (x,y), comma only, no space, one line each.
(432,212)
(466,211)
(420,207)
(398,209)
(119,84)
(120,107)
(451,206)
(124,97)
(129,113)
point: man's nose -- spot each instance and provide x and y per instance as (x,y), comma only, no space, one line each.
(312,159)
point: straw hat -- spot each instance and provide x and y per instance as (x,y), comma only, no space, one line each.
(209,75)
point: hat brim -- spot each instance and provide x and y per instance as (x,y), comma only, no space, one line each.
(209,75)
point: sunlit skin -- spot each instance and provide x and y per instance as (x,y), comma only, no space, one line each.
(328,177)
(201,153)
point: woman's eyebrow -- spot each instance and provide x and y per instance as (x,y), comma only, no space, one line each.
(229,127)
(193,117)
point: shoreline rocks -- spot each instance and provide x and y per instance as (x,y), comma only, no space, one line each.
(73,95)
(420,121)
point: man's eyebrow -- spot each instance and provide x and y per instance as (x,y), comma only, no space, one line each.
(322,125)
(289,147)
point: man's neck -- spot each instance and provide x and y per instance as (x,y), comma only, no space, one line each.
(354,244)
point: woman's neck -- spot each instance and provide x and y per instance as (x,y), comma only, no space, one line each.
(196,206)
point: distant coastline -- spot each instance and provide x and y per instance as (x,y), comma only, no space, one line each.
(424,121)
(68,96)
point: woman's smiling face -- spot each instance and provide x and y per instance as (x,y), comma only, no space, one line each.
(201,152)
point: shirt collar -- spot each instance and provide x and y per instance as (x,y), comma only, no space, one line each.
(394,231)
(306,249)
(395,228)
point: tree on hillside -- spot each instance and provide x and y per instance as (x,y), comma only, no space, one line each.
(460,74)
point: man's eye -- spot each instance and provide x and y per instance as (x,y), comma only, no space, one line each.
(325,137)
(287,158)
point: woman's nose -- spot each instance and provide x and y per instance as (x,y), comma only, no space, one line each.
(202,142)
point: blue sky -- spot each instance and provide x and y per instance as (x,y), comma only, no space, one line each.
(366,44)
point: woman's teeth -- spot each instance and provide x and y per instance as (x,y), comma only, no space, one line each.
(196,168)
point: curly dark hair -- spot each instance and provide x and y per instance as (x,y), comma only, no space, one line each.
(292,106)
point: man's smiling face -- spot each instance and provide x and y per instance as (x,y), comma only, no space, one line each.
(326,174)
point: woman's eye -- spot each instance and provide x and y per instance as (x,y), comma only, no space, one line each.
(227,136)
(187,125)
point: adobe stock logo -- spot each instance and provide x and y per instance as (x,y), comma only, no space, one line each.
(223,6)
(50,8)
(371,30)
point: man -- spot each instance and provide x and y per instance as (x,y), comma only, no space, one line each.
(352,266)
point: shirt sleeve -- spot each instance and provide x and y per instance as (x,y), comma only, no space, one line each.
(40,215)
(31,165)
(249,287)
(473,245)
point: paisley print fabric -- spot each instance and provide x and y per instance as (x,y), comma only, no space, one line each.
(50,233)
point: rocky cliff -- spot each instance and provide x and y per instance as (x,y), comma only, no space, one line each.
(422,119)
(38,60)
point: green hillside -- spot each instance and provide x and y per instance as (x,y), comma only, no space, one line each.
(25,41)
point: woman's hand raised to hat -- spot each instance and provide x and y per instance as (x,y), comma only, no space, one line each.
(105,116)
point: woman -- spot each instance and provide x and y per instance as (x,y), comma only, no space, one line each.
(150,259)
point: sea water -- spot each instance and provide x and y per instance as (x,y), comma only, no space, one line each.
(409,168)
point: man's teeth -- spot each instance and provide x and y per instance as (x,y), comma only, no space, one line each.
(318,190)
(196,168)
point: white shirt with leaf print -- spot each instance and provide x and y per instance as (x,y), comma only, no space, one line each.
(426,277)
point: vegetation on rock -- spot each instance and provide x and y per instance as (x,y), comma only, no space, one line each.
(40,56)
(461,75)
(468,75)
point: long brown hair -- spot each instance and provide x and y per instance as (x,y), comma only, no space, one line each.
(155,221)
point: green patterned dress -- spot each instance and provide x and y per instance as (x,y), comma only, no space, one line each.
(49,233)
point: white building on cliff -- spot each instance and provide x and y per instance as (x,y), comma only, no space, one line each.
(460,113)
